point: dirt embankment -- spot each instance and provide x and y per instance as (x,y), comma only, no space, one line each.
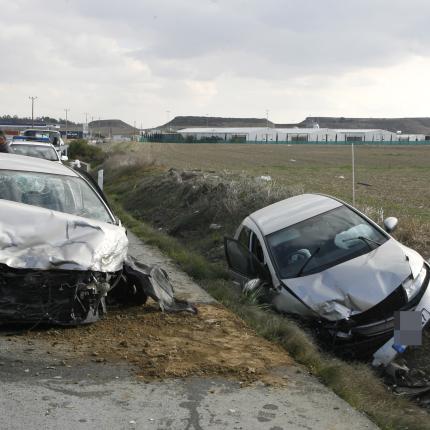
(200,208)
(195,207)
(160,345)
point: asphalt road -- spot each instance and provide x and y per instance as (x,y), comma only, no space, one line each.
(44,389)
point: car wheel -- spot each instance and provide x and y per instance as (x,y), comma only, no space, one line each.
(128,293)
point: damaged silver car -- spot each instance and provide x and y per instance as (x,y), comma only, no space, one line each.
(320,258)
(61,248)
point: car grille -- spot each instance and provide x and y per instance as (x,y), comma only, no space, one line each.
(396,301)
(383,310)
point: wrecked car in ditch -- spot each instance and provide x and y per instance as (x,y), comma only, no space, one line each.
(318,257)
(62,251)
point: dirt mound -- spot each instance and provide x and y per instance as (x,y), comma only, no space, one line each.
(161,345)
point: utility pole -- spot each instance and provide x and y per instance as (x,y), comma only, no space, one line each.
(167,117)
(66,110)
(32,110)
(86,123)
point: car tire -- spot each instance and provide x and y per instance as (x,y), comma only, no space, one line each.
(128,293)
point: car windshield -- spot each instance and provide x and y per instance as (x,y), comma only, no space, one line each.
(66,194)
(46,152)
(323,241)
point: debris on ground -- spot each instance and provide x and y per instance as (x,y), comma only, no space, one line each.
(407,382)
(154,282)
(214,226)
(162,345)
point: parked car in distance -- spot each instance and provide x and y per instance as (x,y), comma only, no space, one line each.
(52,136)
(320,258)
(45,151)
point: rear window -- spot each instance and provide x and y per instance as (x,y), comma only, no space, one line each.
(38,151)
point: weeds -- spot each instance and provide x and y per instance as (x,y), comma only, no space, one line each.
(192,263)
(79,149)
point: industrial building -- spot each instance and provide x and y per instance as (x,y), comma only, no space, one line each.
(298,135)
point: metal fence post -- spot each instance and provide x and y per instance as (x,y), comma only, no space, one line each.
(353,174)
(100,178)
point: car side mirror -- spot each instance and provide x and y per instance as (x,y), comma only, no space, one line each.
(64,158)
(252,285)
(390,224)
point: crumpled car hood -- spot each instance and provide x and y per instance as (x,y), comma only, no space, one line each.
(358,284)
(38,238)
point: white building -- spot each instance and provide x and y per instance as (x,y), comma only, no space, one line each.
(273,135)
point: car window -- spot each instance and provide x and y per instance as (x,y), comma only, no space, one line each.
(256,248)
(39,134)
(241,260)
(323,241)
(245,236)
(66,194)
(38,151)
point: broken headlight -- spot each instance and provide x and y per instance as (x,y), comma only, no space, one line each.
(413,286)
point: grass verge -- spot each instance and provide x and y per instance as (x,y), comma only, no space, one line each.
(354,382)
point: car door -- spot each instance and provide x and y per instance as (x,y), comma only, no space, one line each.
(242,263)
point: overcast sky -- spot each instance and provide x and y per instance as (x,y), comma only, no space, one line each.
(136,59)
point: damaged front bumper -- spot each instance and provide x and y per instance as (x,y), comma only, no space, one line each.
(389,351)
(67,297)
(62,297)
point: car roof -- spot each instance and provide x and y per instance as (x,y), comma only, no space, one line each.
(291,211)
(31,143)
(41,130)
(33,164)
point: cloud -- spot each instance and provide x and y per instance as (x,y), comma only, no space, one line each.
(135,60)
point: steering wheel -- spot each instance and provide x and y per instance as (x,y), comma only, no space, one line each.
(301,255)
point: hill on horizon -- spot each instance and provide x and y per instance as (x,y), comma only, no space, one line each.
(213,121)
(406,125)
(110,127)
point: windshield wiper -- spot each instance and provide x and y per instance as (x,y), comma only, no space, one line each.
(308,260)
(366,240)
